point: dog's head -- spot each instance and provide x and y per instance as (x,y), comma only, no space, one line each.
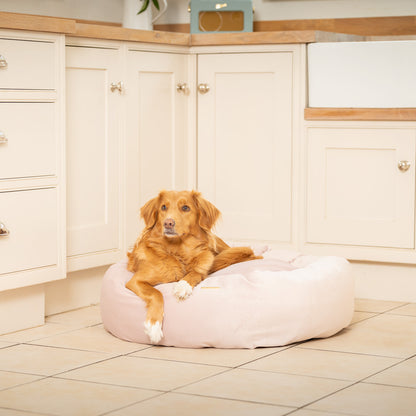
(176,214)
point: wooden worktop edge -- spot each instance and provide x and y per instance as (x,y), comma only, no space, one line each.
(134,35)
(361,114)
(37,23)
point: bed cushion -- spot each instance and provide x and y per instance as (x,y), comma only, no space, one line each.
(287,297)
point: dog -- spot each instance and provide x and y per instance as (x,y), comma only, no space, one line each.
(177,245)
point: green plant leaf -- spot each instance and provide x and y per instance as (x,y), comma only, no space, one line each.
(156,3)
(145,6)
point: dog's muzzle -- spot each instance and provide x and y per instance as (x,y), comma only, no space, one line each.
(169,227)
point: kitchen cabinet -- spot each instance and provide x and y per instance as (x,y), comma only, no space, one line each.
(94,131)
(247,113)
(158,93)
(360,189)
(32,186)
(127,138)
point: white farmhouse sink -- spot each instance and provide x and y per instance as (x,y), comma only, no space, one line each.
(379,74)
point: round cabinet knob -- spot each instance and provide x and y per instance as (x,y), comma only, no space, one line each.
(4,232)
(203,88)
(182,87)
(3,62)
(3,138)
(117,86)
(403,165)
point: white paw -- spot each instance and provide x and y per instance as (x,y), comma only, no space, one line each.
(154,331)
(260,250)
(182,290)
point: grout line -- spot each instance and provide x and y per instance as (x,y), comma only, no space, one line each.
(292,408)
(133,404)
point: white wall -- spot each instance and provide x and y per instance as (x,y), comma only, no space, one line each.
(111,10)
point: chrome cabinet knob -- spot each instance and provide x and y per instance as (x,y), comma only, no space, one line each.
(182,87)
(117,86)
(403,165)
(203,88)
(3,62)
(3,138)
(4,232)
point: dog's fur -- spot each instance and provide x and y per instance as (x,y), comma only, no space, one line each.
(177,245)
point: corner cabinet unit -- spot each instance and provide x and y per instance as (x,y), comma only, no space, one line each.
(249,102)
(127,138)
(360,190)
(32,176)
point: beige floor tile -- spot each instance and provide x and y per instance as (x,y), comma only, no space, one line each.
(265,387)
(94,338)
(32,334)
(78,318)
(10,412)
(5,344)
(409,310)
(144,373)
(45,361)
(9,379)
(403,374)
(211,356)
(371,400)
(309,412)
(68,397)
(387,335)
(327,364)
(172,404)
(361,316)
(378,306)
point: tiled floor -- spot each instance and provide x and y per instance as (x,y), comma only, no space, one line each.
(71,366)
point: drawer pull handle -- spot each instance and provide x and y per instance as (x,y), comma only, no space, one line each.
(3,138)
(3,62)
(403,165)
(4,232)
(117,86)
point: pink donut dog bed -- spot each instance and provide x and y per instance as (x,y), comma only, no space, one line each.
(284,298)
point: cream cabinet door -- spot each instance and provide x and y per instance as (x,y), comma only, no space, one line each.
(356,193)
(94,128)
(156,129)
(245,142)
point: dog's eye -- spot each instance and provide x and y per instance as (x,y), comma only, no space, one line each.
(164,208)
(186,208)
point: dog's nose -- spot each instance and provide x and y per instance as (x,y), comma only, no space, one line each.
(169,223)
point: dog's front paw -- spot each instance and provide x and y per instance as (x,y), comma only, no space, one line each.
(154,331)
(182,290)
(260,250)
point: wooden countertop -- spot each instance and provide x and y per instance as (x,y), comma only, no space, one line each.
(111,32)
(72,27)
(361,114)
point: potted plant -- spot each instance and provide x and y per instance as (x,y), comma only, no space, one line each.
(136,17)
(145,5)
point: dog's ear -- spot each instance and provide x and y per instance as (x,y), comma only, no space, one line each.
(149,212)
(208,213)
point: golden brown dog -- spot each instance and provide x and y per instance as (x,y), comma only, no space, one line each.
(177,245)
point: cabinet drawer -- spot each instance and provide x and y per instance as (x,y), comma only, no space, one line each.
(27,140)
(31,218)
(27,64)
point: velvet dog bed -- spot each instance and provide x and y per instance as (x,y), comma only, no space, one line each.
(287,297)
